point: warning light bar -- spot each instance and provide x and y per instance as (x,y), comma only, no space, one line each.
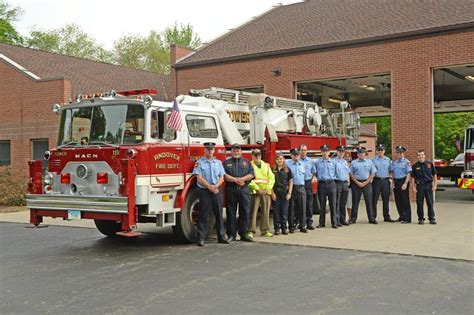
(135,93)
(138,92)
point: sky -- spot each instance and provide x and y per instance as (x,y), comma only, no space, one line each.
(107,20)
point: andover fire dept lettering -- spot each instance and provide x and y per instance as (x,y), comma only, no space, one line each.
(86,156)
(167,166)
(165,155)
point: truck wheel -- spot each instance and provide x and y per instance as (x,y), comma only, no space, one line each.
(108,228)
(186,221)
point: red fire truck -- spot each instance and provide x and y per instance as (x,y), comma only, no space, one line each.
(118,163)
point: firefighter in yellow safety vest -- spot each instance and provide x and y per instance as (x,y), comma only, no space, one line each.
(261,188)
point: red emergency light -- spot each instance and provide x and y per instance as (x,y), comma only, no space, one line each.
(138,92)
(102,178)
(65,178)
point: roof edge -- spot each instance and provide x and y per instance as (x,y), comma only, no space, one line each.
(18,67)
(219,37)
(84,59)
(405,35)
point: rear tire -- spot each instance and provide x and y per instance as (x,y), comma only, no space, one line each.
(108,228)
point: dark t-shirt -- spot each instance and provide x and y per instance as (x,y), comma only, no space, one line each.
(423,172)
(282,180)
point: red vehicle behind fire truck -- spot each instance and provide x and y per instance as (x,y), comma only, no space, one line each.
(467,176)
(118,163)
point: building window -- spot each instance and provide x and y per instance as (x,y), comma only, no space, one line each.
(5,152)
(39,147)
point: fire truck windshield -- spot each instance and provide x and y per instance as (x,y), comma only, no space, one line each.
(102,125)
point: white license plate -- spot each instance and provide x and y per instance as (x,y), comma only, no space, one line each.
(73,215)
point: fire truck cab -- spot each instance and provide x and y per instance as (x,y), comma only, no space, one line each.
(119,163)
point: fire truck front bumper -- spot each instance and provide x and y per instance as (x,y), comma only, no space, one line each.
(103,204)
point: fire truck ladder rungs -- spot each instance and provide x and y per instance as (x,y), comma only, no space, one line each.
(253,99)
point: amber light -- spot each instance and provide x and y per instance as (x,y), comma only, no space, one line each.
(65,178)
(102,178)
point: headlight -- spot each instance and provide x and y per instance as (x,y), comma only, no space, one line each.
(48,178)
(82,171)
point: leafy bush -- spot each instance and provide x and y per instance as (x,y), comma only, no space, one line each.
(13,187)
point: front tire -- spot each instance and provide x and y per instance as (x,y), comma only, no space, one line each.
(185,229)
(108,228)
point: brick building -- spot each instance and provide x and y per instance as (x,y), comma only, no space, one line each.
(31,81)
(403,58)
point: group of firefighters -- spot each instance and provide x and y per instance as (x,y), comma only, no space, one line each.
(287,188)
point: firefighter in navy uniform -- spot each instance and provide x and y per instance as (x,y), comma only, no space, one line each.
(424,176)
(282,190)
(401,169)
(210,176)
(239,173)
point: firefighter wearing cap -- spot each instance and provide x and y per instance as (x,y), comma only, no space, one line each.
(261,187)
(326,174)
(362,174)
(342,184)
(210,176)
(401,169)
(424,176)
(308,182)
(382,181)
(238,175)
(298,196)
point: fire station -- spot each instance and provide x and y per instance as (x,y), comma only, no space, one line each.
(405,59)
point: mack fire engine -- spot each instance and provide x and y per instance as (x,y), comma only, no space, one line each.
(118,163)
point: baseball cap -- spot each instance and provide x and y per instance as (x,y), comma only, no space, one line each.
(209,145)
(400,148)
(324,147)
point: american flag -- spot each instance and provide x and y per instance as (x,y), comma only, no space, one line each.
(174,120)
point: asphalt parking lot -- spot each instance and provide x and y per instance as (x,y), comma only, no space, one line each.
(361,269)
(75,270)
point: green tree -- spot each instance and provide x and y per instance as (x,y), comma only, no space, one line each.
(152,52)
(448,127)
(130,51)
(8,15)
(182,35)
(69,40)
(146,53)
